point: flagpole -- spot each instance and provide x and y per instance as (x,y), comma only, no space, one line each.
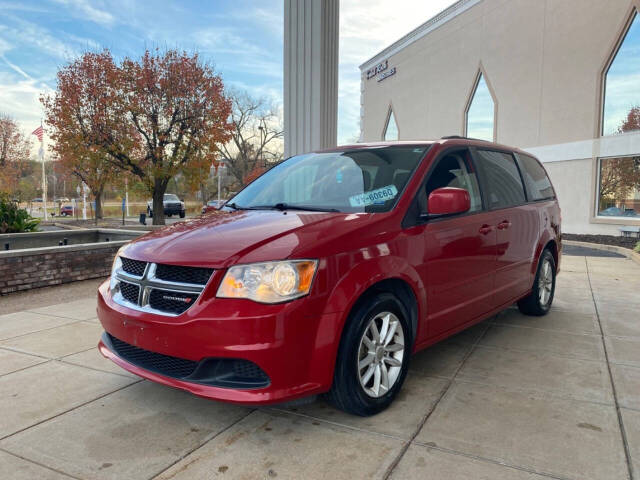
(44,176)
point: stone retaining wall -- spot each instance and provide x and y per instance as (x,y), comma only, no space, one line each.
(42,267)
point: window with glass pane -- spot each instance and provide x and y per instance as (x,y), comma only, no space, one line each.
(619,187)
(391,130)
(480,114)
(502,179)
(456,170)
(361,180)
(622,85)
(535,178)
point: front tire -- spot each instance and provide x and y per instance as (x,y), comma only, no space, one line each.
(149,213)
(373,358)
(182,214)
(539,301)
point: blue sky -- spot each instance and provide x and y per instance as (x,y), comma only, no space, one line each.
(242,38)
(481,112)
(622,90)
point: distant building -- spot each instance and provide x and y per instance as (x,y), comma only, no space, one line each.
(557,78)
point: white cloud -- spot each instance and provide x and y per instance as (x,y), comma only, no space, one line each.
(88,11)
(366,28)
(16,68)
(26,33)
(20,99)
(249,56)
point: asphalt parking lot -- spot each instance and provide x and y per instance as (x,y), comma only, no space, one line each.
(513,398)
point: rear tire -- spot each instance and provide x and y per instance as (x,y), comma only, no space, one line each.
(372,361)
(539,301)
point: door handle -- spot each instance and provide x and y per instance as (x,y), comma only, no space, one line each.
(504,225)
(485,229)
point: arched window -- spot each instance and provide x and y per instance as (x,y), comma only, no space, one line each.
(480,113)
(391,128)
(621,106)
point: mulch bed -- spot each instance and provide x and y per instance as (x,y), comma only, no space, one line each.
(618,241)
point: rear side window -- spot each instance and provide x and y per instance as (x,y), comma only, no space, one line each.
(535,178)
(501,179)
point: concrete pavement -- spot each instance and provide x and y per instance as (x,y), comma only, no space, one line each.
(512,398)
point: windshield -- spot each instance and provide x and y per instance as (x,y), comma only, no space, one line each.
(170,197)
(368,180)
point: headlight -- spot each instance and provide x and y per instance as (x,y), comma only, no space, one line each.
(269,282)
(117,264)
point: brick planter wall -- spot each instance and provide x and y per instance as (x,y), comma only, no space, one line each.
(41,267)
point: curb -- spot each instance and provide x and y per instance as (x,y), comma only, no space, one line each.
(630,254)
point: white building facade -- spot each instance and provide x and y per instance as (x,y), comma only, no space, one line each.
(559,78)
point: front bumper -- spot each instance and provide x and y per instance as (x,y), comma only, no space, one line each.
(173,209)
(294,348)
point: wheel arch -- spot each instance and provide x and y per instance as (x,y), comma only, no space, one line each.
(388,273)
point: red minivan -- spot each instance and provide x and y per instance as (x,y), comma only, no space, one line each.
(327,272)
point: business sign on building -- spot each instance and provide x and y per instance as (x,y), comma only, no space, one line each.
(381,71)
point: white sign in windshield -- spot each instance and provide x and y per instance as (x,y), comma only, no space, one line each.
(374,197)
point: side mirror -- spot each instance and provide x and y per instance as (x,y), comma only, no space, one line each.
(447,201)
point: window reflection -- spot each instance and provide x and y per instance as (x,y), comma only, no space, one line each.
(391,131)
(622,85)
(619,194)
(480,114)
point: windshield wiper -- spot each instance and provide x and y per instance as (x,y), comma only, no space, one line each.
(286,206)
(232,205)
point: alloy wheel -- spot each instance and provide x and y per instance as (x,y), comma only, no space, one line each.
(545,283)
(380,354)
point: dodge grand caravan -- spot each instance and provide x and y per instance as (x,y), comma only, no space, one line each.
(327,272)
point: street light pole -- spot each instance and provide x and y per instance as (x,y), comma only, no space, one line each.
(126,193)
(44,183)
(220,167)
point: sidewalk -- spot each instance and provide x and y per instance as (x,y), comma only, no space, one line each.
(512,398)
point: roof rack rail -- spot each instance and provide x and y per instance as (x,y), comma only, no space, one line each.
(449,137)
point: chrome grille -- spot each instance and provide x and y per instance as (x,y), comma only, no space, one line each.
(168,301)
(175,273)
(134,267)
(171,293)
(130,292)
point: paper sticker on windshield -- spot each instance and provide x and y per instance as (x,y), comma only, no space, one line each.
(374,197)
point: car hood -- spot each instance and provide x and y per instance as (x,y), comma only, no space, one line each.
(222,238)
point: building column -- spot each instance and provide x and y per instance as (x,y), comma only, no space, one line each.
(310,75)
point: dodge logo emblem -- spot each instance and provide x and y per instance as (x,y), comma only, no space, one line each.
(177,299)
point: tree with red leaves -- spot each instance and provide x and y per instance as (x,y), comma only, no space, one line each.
(177,106)
(632,122)
(14,154)
(83,115)
(159,116)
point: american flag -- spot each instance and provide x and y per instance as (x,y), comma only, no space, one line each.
(38,132)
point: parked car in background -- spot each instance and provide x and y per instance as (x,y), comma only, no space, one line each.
(212,205)
(611,212)
(326,274)
(61,200)
(36,200)
(66,211)
(618,212)
(172,206)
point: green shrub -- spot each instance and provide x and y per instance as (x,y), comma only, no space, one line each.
(637,249)
(14,219)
